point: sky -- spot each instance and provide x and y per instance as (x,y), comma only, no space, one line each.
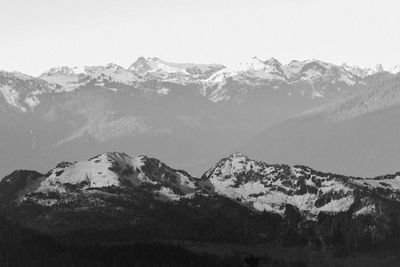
(37,35)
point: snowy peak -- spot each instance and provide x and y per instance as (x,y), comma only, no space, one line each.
(71,78)
(154,67)
(97,172)
(309,78)
(357,71)
(112,73)
(395,69)
(64,70)
(255,64)
(251,72)
(82,70)
(116,170)
(316,70)
(266,187)
(142,65)
(232,165)
(113,66)
(273,62)
(364,72)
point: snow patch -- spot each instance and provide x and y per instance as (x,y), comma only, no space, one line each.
(367,210)
(163,91)
(11,96)
(167,192)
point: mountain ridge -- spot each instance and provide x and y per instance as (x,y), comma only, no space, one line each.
(114,169)
(292,205)
(253,72)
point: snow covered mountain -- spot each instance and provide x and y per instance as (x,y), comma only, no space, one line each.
(72,78)
(110,170)
(365,72)
(155,68)
(309,78)
(21,92)
(271,188)
(253,68)
(395,69)
(313,70)
(133,197)
(272,69)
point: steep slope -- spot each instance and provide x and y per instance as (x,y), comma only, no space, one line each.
(355,136)
(21,92)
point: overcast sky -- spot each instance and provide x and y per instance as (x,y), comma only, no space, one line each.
(38,34)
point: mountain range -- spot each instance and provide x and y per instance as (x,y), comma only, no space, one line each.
(212,77)
(187,114)
(113,197)
(318,137)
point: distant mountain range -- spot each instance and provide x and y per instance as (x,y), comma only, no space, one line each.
(187,114)
(213,78)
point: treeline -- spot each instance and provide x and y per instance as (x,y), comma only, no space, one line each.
(22,247)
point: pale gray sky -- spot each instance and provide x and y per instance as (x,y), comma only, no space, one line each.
(38,34)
